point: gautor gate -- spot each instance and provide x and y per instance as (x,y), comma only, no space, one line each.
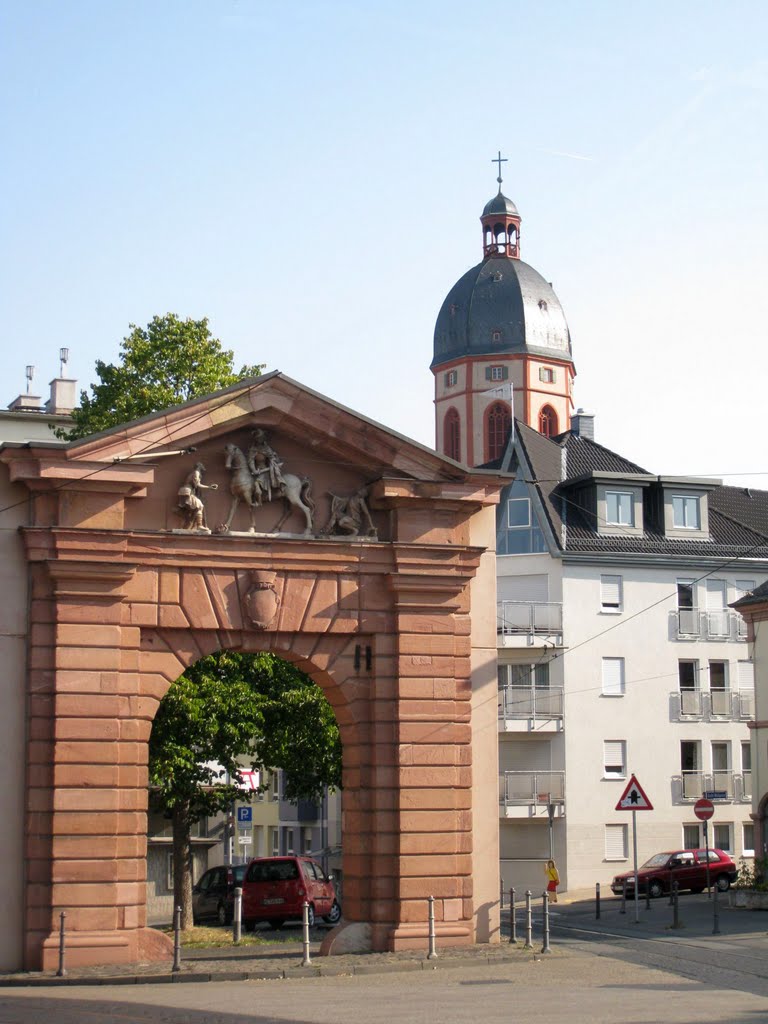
(154,544)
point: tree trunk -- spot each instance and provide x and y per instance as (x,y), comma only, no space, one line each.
(182,865)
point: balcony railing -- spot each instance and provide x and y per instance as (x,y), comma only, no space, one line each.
(718,786)
(697,624)
(733,705)
(521,617)
(517,788)
(516,702)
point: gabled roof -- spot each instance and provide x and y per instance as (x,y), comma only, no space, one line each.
(738,518)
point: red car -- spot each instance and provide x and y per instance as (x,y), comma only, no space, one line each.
(686,867)
(275,889)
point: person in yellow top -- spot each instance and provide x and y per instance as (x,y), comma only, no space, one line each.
(553,880)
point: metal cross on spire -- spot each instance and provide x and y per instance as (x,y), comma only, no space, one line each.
(499,160)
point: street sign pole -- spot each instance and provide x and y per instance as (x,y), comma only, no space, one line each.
(634,854)
(706,848)
(704,810)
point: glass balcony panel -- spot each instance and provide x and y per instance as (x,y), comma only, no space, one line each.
(717,624)
(693,785)
(688,621)
(721,703)
(529,617)
(746,704)
(690,702)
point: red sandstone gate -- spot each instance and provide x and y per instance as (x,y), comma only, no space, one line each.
(394,620)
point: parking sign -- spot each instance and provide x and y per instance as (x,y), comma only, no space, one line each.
(244,815)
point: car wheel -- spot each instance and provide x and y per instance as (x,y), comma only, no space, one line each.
(221,914)
(334,914)
(655,888)
(275,923)
(723,883)
(311,915)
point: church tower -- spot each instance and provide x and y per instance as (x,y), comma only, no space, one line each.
(501,324)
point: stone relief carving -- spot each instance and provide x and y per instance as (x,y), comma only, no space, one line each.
(350,516)
(261,602)
(258,478)
(190,504)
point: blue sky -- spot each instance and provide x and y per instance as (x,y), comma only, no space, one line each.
(310,176)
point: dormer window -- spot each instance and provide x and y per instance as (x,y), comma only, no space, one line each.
(619,508)
(686,512)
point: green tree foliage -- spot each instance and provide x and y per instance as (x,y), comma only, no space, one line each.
(167,363)
(229,712)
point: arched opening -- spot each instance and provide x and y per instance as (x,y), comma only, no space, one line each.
(548,421)
(452,435)
(244,763)
(498,426)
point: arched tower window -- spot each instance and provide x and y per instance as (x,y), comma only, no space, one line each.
(452,435)
(548,421)
(499,424)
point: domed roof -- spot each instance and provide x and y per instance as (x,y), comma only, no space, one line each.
(500,204)
(501,306)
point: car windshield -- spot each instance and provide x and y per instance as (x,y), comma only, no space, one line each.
(238,873)
(657,861)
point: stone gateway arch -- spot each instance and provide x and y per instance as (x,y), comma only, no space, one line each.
(384,593)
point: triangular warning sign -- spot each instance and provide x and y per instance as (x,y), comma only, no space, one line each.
(633,798)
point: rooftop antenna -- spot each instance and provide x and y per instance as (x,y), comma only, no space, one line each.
(63,360)
(30,373)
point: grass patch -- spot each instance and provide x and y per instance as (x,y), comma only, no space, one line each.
(201,937)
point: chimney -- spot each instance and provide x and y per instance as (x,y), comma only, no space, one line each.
(26,403)
(63,394)
(583,424)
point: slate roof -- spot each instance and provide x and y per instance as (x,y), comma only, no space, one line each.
(738,518)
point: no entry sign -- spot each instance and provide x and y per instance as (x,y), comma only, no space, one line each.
(703,809)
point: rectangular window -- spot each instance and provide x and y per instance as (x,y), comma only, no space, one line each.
(289,841)
(721,756)
(546,375)
(275,841)
(687,674)
(748,838)
(613,677)
(451,378)
(691,836)
(525,675)
(722,836)
(746,756)
(615,842)
(497,373)
(719,694)
(518,513)
(746,675)
(686,513)
(610,593)
(685,594)
(619,508)
(614,759)
(307,842)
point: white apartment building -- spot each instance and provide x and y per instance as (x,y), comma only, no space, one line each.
(618,654)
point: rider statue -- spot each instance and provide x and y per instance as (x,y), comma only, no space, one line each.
(264,463)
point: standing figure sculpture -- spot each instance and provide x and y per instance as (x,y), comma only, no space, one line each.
(254,489)
(190,504)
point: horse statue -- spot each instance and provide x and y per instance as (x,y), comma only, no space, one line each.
(244,486)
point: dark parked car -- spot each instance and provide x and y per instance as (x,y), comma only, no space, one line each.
(213,898)
(275,889)
(686,867)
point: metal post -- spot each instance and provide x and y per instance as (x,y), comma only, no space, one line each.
(307,961)
(528,921)
(706,848)
(597,901)
(623,907)
(62,941)
(237,917)
(512,917)
(432,954)
(716,912)
(176,940)
(675,906)
(634,854)
(545,908)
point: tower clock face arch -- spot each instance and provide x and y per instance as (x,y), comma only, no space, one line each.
(500,336)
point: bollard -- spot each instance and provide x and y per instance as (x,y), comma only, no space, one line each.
(307,961)
(675,906)
(528,921)
(512,917)
(716,911)
(237,917)
(62,940)
(432,954)
(597,901)
(623,907)
(176,940)
(545,909)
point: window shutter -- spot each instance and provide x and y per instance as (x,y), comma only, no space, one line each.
(746,675)
(613,756)
(613,676)
(616,842)
(504,372)
(610,591)
(488,373)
